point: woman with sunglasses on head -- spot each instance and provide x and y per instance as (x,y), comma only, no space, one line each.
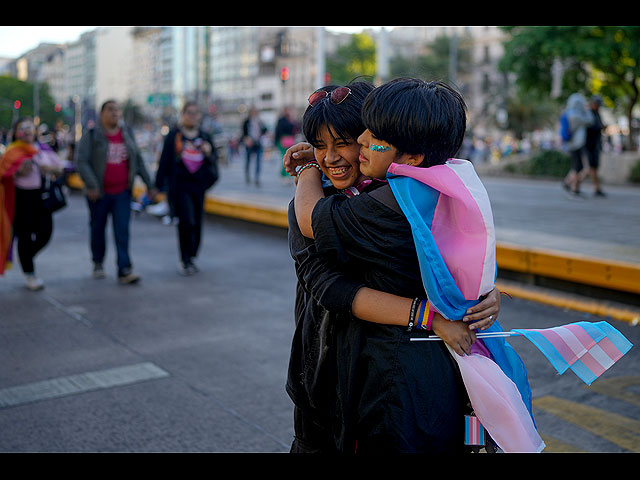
(331,299)
(23,166)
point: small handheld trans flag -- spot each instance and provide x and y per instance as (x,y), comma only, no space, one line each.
(473,431)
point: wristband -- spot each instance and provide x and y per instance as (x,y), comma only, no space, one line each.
(412,313)
(429,320)
(421,314)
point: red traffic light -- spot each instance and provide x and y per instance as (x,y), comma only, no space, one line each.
(17,104)
(284,74)
(57,107)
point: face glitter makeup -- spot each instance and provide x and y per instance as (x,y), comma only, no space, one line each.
(379,148)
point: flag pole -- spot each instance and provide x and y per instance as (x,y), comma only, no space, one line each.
(478,335)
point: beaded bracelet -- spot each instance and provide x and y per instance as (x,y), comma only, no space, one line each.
(310,164)
(412,314)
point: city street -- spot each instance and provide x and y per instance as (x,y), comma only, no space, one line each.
(198,364)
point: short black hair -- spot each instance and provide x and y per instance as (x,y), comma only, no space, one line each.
(417,117)
(343,120)
(107,102)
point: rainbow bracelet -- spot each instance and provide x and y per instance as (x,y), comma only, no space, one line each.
(424,316)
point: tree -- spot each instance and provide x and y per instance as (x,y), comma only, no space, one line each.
(601,60)
(436,64)
(355,59)
(12,89)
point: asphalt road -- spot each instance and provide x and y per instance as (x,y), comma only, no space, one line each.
(198,364)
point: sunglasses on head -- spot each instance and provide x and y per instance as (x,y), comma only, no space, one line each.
(336,96)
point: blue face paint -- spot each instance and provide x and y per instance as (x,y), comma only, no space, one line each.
(379,148)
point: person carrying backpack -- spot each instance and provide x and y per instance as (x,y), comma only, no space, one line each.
(573,130)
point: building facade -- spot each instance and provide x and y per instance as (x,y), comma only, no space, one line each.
(227,70)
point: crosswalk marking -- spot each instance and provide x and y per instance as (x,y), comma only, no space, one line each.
(617,429)
(81,383)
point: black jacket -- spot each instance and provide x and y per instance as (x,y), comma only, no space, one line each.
(392,395)
(323,297)
(172,173)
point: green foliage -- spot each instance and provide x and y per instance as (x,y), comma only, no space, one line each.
(601,60)
(12,89)
(528,112)
(549,163)
(435,65)
(355,59)
(634,175)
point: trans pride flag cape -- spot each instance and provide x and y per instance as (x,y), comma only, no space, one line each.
(452,224)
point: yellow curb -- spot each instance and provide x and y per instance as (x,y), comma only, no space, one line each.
(566,301)
(611,274)
(270,216)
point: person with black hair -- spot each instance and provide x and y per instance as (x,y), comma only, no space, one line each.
(331,305)
(253,131)
(28,163)
(188,166)
(399,396)
(593,144)
(108,160)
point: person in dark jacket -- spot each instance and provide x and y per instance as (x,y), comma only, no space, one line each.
(188,166)
(108,160)
(330,305)
(253,131)
(593,144)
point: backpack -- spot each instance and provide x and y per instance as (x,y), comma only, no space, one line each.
(565,131)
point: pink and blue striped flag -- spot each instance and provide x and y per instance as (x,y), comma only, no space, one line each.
(587,349)
(473,431)
(452,226)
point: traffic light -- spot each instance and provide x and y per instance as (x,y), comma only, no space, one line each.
(284,74)
(17,104)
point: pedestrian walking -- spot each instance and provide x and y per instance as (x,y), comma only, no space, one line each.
(108,160)
(573,130)
(253,131)
(593,144)
(27,166)
(188,166)
(284,136)
(331,123)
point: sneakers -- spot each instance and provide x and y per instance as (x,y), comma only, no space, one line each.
(98,271)
(187,268)
(599,193)
(128,276)
(33,283)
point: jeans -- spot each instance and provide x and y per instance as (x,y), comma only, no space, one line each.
(257,151)
(119,206)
